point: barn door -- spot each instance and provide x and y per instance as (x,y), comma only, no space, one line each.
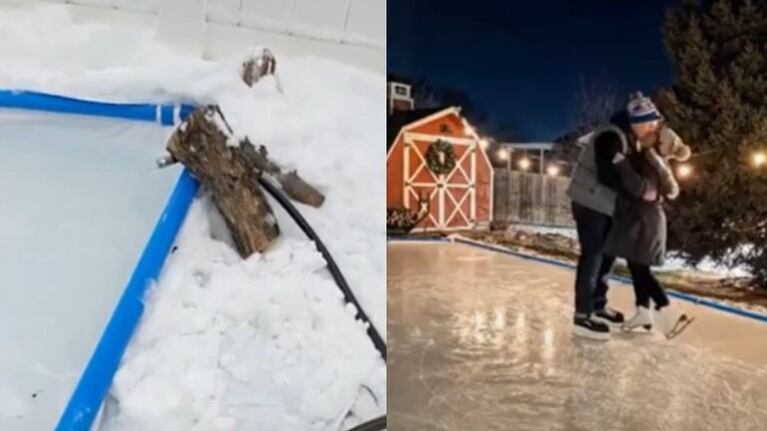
(452,197)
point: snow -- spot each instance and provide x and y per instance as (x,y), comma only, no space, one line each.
(264,343)
(306,361)
(564,231)
(257,344)
(672,263)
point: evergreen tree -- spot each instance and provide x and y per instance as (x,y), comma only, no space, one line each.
(718,104)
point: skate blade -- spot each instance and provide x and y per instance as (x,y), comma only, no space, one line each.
(625,328)
(679,326)
(585,333)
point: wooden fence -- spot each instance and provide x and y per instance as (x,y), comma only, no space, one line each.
(520,197)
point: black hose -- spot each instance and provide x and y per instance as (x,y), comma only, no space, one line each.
(349,297)
(376,424)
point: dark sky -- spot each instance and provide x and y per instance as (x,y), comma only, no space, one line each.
(521,60)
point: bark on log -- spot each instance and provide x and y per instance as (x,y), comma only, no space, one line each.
(202,146)
(293,185)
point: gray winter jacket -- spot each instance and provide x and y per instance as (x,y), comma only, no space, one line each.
(597,181)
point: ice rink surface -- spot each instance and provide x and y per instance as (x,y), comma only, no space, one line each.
(79,198)
(482,340)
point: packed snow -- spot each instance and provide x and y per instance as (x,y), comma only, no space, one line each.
(264,343)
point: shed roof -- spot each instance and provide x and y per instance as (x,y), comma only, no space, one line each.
(400,119)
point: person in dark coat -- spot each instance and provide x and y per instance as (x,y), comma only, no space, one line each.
(600,176)
(638,231)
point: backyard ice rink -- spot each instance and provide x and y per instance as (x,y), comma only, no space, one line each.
(79,198)
(482,340)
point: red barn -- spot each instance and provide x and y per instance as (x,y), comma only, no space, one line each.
(436,155)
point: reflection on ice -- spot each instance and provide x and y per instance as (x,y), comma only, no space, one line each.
(483,341)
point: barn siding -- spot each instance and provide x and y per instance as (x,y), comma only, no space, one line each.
(395,171)
(395,177)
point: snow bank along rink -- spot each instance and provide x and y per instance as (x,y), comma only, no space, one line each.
(483,340)
(227,344)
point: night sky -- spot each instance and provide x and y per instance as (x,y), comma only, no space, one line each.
(521,61)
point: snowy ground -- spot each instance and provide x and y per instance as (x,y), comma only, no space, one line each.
(673,263)
(481,340)
(225,344)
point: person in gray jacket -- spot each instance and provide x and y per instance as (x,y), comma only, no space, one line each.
(603,173)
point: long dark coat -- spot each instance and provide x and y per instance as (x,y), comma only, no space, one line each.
(638,232)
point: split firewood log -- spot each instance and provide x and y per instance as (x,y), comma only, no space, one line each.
(206,150)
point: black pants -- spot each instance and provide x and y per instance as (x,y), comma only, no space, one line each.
(647,287)
(593,265)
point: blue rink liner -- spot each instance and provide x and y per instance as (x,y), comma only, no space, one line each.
(88,396)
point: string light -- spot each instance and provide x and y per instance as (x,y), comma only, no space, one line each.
(503,154)
(484,143)
(759,158)
(684,170)
(552,170)
(524,164)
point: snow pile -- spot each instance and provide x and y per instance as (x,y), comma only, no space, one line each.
(672,263)
(564,231)
(257,344)
(265,343)
(43,49)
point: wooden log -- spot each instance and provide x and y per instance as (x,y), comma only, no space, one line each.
(259,63)
(202,145)
(293,185)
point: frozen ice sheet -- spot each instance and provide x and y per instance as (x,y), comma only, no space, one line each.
(78,199)
(481,340)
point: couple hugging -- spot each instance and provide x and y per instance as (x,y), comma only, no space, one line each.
(617,190)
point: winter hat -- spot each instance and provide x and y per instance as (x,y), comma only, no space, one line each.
(641,109)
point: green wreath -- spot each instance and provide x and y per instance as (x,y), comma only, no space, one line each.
(440,165)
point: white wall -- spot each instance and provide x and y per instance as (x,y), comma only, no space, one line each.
(350,31)
(358,22)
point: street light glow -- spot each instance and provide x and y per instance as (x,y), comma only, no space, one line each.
(552,170)
(524,164)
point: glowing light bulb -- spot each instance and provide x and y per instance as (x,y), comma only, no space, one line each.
(552,170)
(524,164)
(759,158)
(684,170)
(503,154)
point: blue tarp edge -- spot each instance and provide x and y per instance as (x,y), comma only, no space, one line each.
(36,101)
(97,377)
